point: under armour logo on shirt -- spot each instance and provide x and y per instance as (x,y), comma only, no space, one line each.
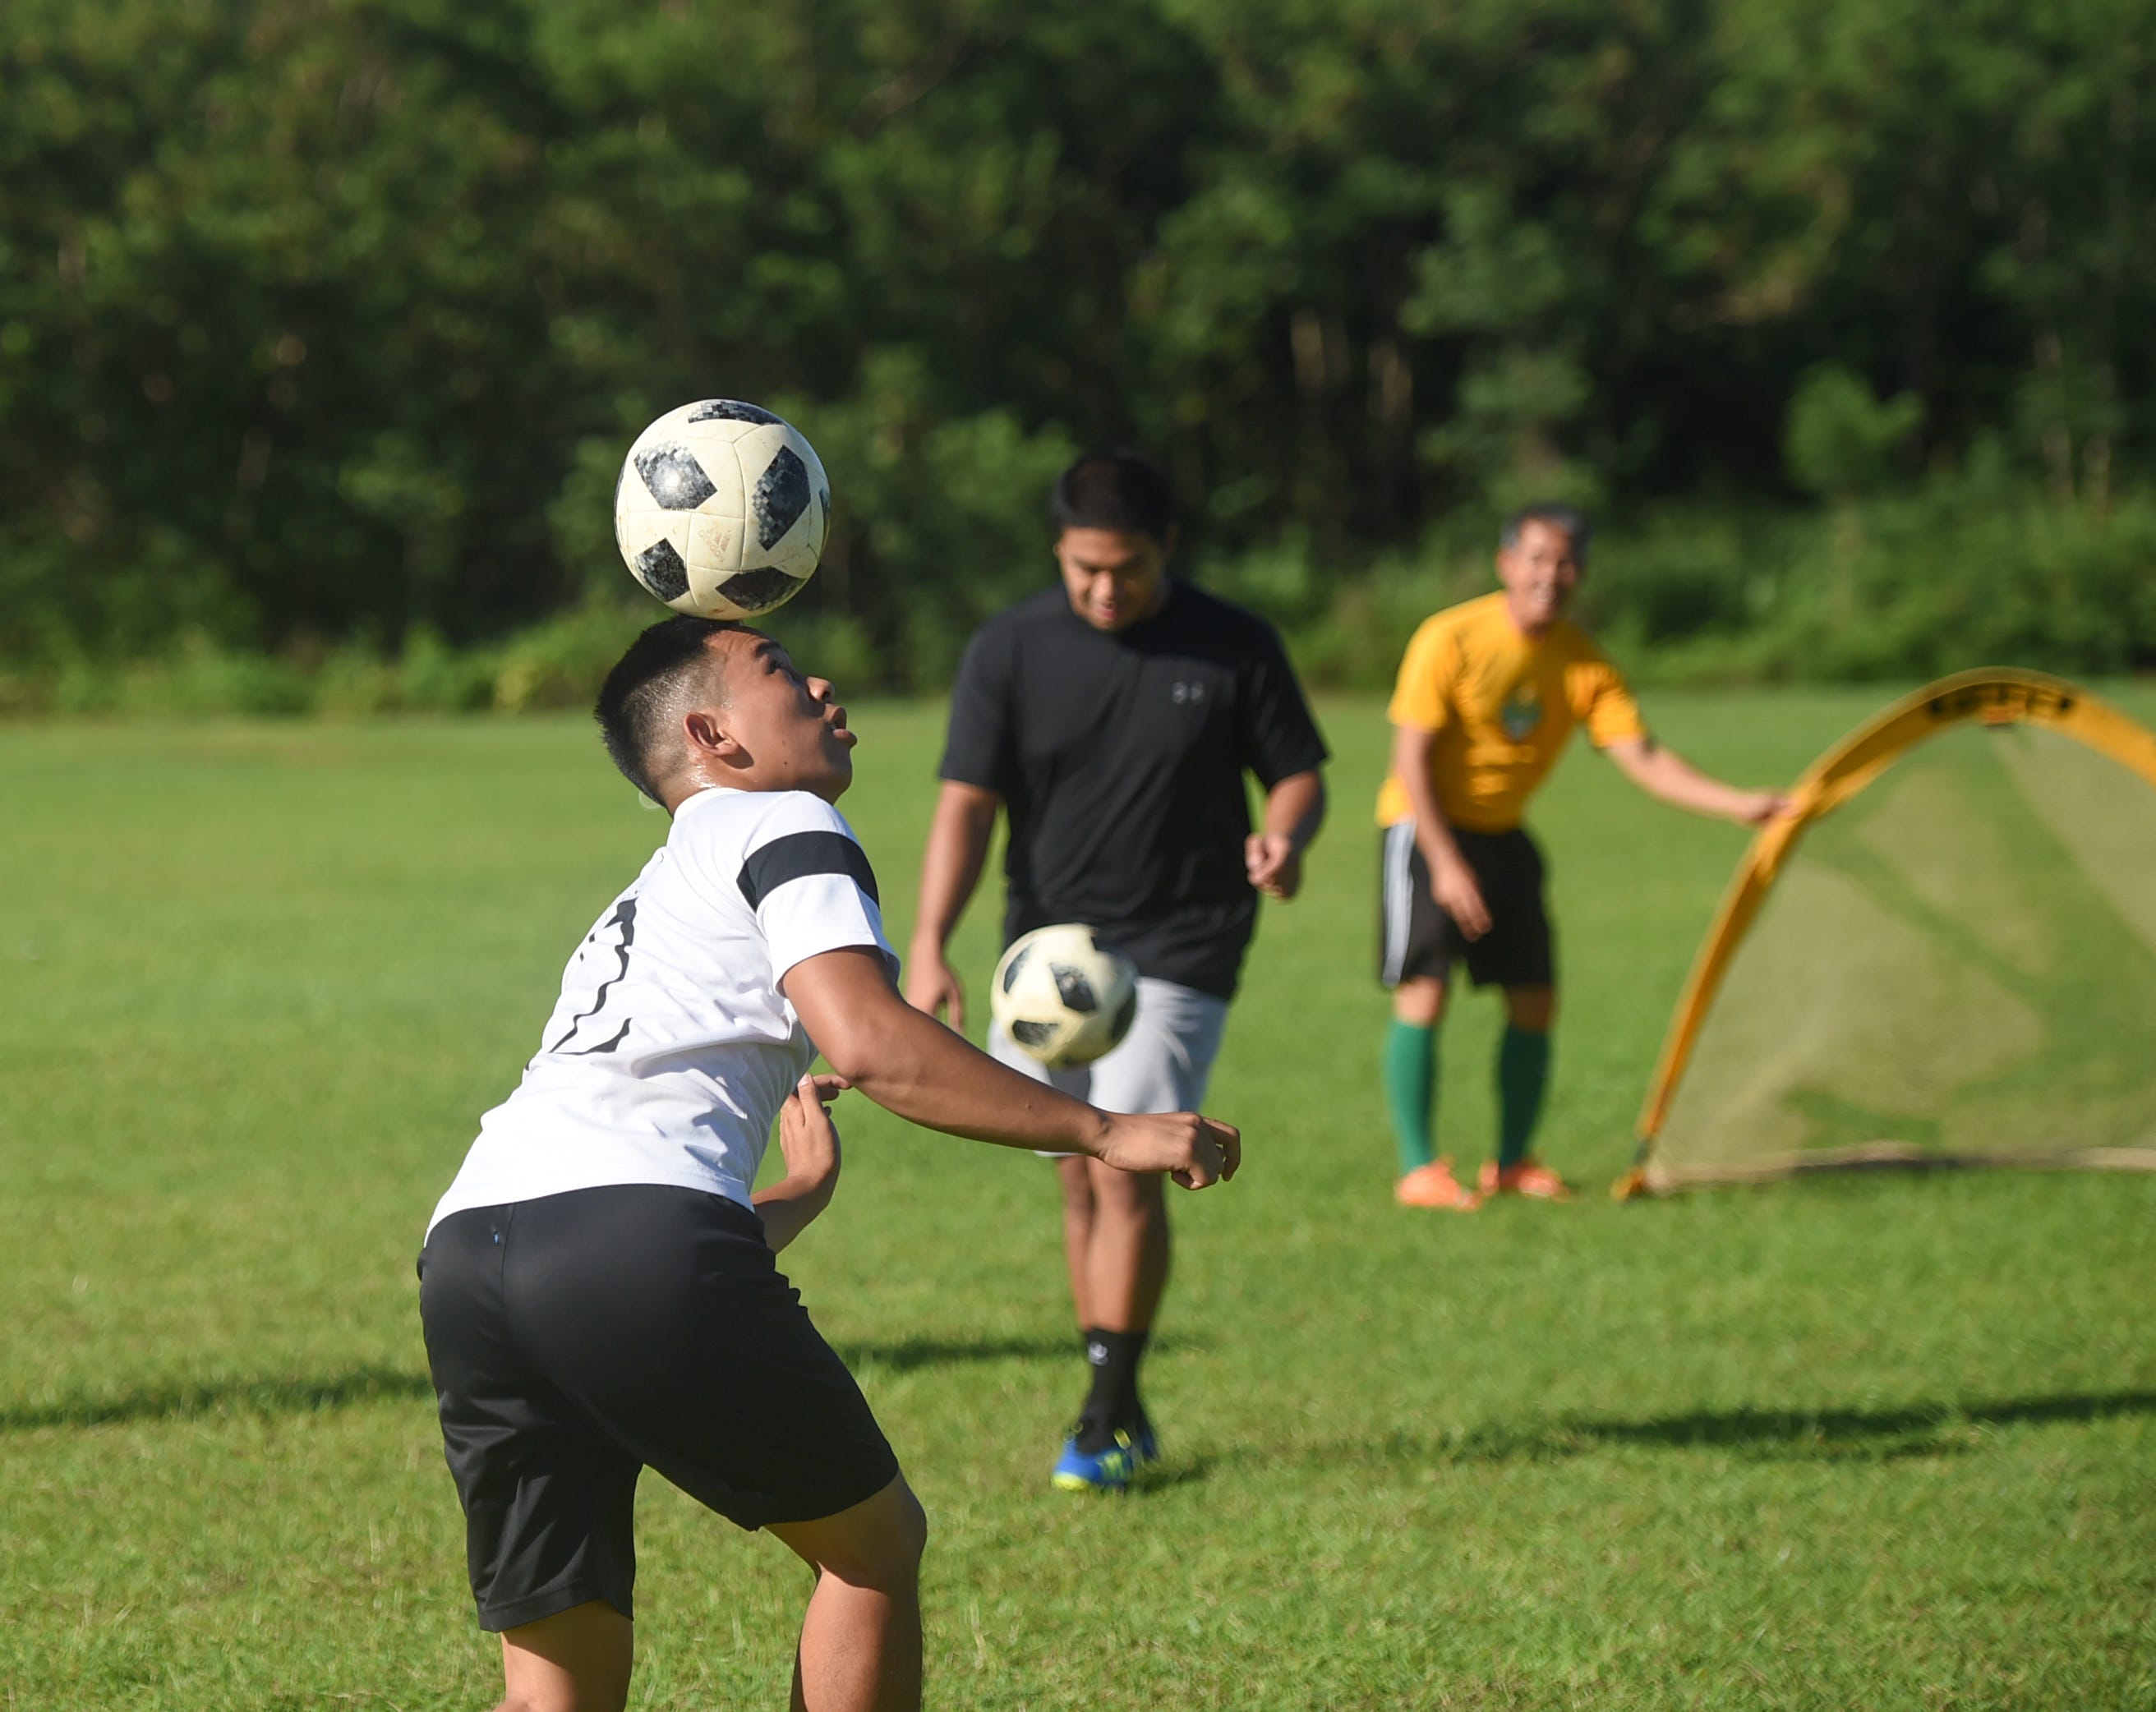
(1183,693)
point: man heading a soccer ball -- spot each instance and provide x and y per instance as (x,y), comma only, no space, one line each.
(1113,717)
(598,1285)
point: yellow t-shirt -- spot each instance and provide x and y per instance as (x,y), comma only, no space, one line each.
(1502,705)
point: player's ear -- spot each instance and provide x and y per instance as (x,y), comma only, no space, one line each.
(1168,540)
(706,737)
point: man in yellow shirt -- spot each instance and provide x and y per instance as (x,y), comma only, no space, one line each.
(1488,693)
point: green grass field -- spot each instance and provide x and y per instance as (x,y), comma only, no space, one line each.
(1887,1443)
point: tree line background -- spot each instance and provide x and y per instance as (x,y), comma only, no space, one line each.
(324,323)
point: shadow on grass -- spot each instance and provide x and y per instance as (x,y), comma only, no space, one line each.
(1769,1427)
(298,1394)
(907,1354)
(294,1394)
(1926,1429)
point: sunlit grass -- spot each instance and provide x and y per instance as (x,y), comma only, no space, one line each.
(1878,1443)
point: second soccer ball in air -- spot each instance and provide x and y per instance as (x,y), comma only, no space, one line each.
(1064,996)
(720,510)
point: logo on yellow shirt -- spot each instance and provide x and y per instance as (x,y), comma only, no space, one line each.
(1521,713)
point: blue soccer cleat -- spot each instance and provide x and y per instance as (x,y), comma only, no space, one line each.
(1109,1469)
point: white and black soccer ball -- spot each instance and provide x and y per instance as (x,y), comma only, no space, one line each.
(1064,996)
(721,509)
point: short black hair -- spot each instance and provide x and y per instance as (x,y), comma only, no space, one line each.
(635,707)
(1113,489)
(1557,515)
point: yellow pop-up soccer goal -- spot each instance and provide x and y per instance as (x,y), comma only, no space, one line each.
(1946,954)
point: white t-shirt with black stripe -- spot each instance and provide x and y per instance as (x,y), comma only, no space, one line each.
(671,1048)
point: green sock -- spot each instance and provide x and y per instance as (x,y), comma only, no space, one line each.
(1522,1073)
(1411,1090)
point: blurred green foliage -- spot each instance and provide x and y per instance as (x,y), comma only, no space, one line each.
(323,323)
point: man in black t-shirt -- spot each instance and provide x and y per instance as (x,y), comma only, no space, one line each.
(1113,717)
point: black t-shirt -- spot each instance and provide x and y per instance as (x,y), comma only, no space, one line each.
(1120,758)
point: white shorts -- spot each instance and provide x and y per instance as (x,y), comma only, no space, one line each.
(1162,1065)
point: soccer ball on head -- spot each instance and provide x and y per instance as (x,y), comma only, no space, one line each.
(720,510)
(1062,995)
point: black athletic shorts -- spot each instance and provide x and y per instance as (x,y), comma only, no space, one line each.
(1415,938)
(578,1339)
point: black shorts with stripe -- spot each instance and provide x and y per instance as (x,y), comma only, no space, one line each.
(1418,940)
(578,1339)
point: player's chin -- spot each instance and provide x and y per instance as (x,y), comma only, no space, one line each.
(838,766)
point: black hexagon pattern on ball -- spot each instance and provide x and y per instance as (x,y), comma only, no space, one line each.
(729,410)
(1076,990)
(1125,1013)
(660,569)
(1027,1034)
(781,496)
(758,591)
(676,480)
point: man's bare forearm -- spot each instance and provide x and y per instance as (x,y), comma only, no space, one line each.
(788,1208)
(951,867)
(1296,806)
(923,1072)
(1411,748)
(911,1065)
(1668,777)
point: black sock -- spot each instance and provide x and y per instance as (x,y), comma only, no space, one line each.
(1112,1405)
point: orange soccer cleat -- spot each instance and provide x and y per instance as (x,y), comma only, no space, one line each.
(1529,1177)
(1434,1185)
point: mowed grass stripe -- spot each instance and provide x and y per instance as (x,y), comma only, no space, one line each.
(1884,1442)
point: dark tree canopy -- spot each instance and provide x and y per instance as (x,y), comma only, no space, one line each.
(331,318)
